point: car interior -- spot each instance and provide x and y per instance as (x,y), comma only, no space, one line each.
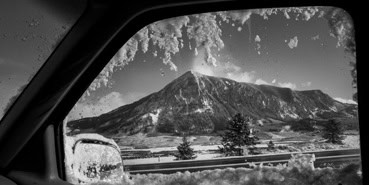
(31,136)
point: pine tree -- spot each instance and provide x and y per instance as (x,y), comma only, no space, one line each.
(332,131)
(185,152)
(271,145)
(238,134)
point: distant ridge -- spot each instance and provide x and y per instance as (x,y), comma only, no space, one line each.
(202,104)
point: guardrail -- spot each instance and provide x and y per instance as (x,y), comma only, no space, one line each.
(328,156)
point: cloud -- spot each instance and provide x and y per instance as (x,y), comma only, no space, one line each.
(204,69)
(287,85)
(103,105)
(226,70)
(247,77)
(230,67)
(231,71)
(261,82)
(293,42)
(306,84)
(342,100)
(223,69)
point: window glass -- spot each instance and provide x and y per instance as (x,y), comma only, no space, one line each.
(253,86)
(29,32)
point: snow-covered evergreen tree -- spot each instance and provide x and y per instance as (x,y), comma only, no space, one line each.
(185,152)
(238,133)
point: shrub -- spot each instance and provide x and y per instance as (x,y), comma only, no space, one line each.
(299,171)
(273,130)
(350,124)
(142,147)
(166,127)
(302,162)
(271,145)
(303,125)
(282,147)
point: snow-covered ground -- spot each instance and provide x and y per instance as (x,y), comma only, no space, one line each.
(350,141)
(195,147)
(211,147)
(167,159)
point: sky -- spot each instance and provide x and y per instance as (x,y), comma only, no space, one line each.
(279,51)
(301,55)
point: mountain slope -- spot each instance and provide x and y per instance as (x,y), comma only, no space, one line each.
(202,104)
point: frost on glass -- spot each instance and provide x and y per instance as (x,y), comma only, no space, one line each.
(90,162)
(29,32)
(204,30)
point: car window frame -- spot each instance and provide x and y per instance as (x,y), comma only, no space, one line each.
(213,10)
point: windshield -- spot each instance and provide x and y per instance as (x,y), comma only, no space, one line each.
(211,86)
(29,32)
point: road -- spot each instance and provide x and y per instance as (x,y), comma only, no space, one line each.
(327,156)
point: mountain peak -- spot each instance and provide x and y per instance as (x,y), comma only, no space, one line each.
(205,103)
(192,75)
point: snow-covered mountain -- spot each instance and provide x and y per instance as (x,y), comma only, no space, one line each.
(202,104)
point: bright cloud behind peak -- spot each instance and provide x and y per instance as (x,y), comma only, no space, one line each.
(235,72)
(223,69)
(287,85)
(306,84)
(261,82)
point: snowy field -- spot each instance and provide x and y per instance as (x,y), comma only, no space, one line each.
(351,141)
(166,159)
